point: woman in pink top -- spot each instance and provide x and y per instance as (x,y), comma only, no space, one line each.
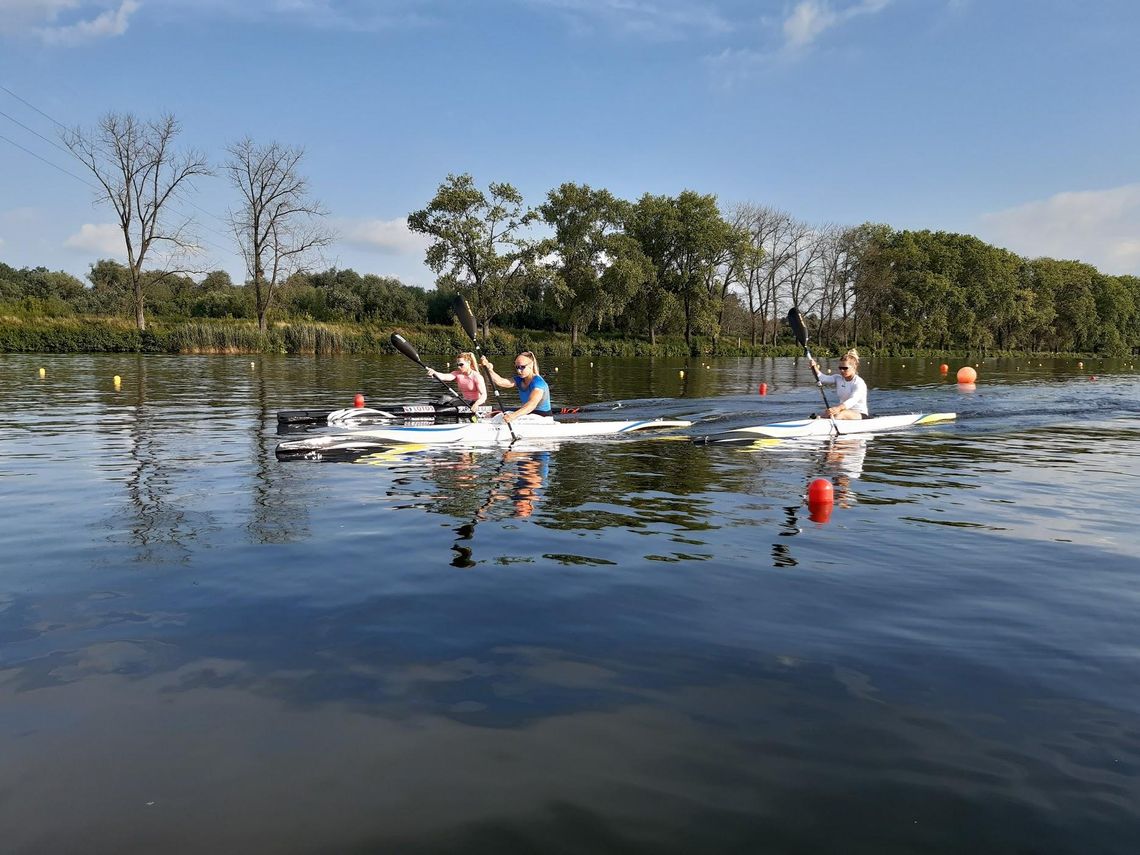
(467,379)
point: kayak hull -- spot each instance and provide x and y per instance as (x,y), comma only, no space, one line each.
(829,427)
(489,432)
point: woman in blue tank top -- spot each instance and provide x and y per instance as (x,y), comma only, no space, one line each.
(534,393)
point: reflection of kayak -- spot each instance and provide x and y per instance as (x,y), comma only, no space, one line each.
(487,432)
(828,427)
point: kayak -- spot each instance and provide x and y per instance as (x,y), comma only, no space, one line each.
(489,432)
(392,413)
(828,427)
(440,412)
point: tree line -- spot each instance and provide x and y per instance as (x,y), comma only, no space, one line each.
(583,260)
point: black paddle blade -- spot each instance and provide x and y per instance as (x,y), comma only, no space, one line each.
(404,346)
(799,329)
(466,319)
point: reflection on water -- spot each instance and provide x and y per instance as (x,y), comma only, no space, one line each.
(651,646)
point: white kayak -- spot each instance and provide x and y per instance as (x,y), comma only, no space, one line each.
(830,427)
(487,432)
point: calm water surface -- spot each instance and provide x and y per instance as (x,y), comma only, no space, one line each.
(629,645)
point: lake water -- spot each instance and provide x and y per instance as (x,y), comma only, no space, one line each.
(638,644)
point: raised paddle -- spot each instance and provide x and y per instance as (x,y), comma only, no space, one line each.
(405,347)
(467,321)
(796,322)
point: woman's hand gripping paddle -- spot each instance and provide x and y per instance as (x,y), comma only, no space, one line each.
(404,346)
(467,321)
(799,330)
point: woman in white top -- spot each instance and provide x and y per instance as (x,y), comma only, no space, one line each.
(852,388)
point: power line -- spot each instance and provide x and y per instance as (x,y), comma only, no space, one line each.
(48,162)
(85,182)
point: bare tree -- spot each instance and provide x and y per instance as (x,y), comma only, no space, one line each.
(278,228)
(139,172)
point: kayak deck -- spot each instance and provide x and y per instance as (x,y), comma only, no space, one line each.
(827,427)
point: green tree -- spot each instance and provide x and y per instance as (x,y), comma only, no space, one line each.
(479,246)
(597,268)
(684,237)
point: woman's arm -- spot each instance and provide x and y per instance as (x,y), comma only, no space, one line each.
(481,387)
(438,376)
(533,401)
(501,382)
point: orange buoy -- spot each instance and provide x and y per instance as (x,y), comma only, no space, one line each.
(966,374)
(763,388)
(358,401)
(944,368)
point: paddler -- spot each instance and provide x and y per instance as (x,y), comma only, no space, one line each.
(468,379)
(851,388)
(534,393)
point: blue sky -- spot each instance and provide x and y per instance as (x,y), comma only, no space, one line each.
(1008,119)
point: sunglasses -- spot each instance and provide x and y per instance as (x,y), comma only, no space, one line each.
(462,363)
(844,367)
(522,367)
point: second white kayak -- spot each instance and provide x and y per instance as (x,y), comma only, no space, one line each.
(830,427)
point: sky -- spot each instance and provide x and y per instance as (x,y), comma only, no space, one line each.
(1006,119)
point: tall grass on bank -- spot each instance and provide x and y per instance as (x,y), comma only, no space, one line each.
(20,333)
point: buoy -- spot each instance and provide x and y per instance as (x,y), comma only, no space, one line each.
(820,499)
(1093,378)
(944,368)
(118,381)
(591,365)
(252,365)
(966,374)
(43,373)
(358,401)
(681,374)
(1080,365)
(763,388)
(555,369)
(820,492)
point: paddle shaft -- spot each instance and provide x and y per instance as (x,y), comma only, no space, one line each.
(467,321)
(404,346)
(796,322)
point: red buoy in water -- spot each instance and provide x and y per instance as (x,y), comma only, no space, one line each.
(358,401)
(763,388)
(820,500)
(966,374)
(820,492)
(944,368)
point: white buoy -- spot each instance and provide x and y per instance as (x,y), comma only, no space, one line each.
(43,373)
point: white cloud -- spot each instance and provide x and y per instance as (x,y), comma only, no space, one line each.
(1100,227)
(66,22)
(112,22)
(391,237)
(811,18)
(103,238)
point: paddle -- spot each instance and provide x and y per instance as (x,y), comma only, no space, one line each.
(467,321)
(796,322)
(404,346)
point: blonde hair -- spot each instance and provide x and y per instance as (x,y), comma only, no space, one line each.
(470,357)
(533,360)
(852,356)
